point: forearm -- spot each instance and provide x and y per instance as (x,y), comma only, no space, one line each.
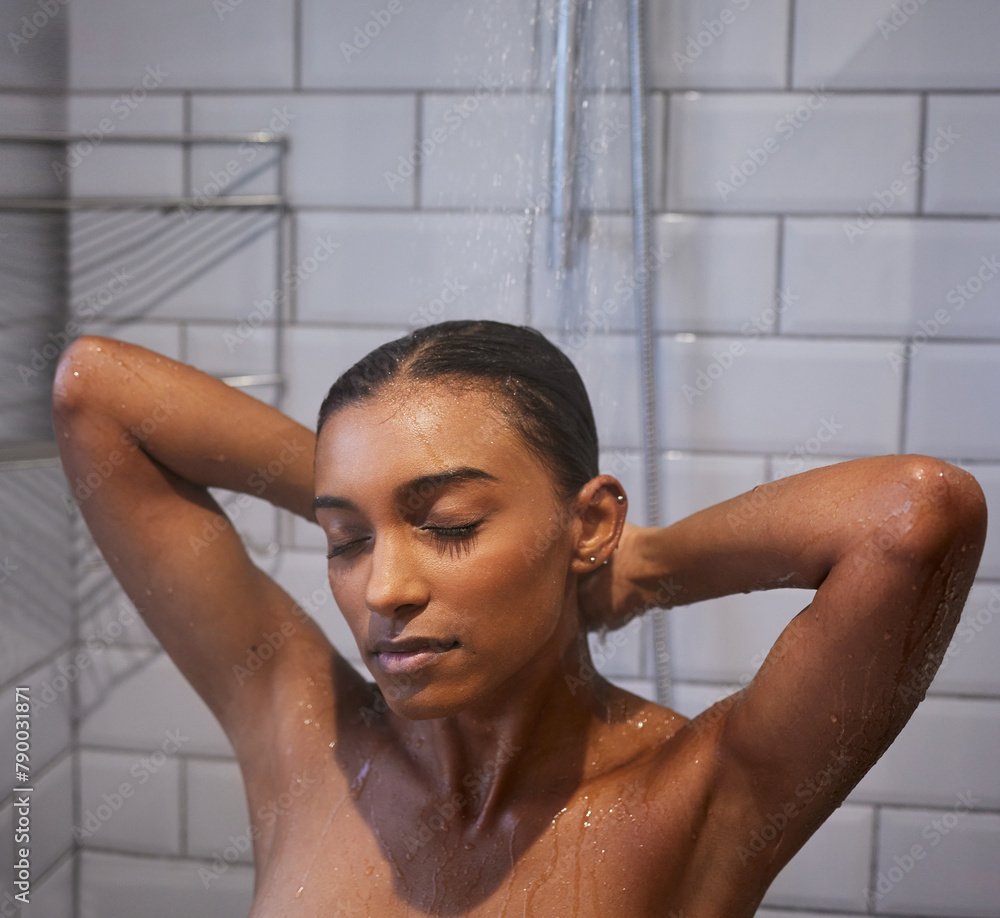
(792,532)
(128,397)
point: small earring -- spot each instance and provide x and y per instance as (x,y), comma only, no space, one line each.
(620,498)
(592,559)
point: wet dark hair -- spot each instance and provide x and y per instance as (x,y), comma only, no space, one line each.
(541,391)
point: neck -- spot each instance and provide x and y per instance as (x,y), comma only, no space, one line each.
(522,739)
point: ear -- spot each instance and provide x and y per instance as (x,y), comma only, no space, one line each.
(600,506)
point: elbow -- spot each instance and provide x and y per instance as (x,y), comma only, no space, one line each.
(934,509)
(77,374)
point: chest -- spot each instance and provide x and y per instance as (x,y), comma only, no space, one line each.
(381,851)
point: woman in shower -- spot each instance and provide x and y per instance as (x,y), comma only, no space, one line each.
(472,543)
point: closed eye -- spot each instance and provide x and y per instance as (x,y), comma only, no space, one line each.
(455,538)
(342,547)
(450,536)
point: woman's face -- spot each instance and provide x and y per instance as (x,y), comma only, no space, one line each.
(450,553)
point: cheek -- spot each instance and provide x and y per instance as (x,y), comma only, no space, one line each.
(348,594)
(522,577)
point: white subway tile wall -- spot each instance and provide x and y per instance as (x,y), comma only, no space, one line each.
(967,182)
(788,152)
(128,801)
(857,44)
(823,256)
(36,599)
(831,871)
(718,44)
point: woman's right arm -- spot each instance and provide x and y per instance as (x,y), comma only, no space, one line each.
(142,438)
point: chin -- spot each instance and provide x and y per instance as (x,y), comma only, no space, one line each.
(425,702)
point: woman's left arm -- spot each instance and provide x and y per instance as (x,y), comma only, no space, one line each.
(891,545)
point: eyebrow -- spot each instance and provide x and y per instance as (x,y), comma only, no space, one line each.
(434,480)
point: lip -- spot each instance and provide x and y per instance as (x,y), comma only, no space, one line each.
(408,655)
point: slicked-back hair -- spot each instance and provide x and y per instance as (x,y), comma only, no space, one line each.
(536,384)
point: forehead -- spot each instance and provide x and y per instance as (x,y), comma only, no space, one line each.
(410,430)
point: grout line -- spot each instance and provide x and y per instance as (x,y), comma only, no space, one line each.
(664,201)
(418,159)
(101,850)
(505,210)
(292,238)
(297,62)
(904,401)
(873,859)
(132,751)
(524,90)
(921,146)
(790,47)
(529,267)
(78,544)
(182,803)
(779,270)
(35,668)
(187,150)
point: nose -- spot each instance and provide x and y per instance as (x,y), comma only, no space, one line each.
(395,584)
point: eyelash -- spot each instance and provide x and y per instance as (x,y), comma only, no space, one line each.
(451,537)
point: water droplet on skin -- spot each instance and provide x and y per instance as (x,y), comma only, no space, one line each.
(833,718)
(77,373)
(298,892)
(369,870)
(307,722)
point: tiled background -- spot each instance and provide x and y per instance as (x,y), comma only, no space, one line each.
(826,198)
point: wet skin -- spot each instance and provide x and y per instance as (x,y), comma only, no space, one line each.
(489,771)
